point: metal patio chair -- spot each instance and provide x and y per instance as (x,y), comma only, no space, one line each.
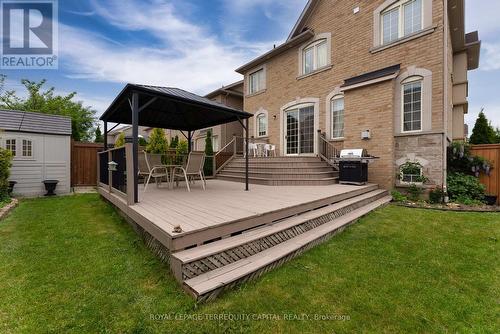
(150,166)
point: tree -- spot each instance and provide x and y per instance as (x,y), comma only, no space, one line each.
(98,135)
(497,133)
(483,132)
(48,102)
(209,152)
(174,142)
(120,141)
(158,143)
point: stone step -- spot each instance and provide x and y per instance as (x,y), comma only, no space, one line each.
(280,182)
(193,262)
(209,285)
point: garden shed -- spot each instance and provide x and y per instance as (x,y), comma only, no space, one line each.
(41,146)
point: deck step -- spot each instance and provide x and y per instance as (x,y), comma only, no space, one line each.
(282,175)
(197,261)
(209,285)
(280,182)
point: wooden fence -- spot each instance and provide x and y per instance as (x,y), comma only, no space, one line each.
(492,153)
(84,164)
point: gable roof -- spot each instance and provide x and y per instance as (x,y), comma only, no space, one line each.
(24,121)
(231,89)
(299,25)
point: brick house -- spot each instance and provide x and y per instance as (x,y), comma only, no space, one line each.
(397,69)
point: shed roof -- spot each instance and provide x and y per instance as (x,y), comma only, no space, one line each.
(24,121)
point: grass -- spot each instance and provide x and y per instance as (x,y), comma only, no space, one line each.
(70,264)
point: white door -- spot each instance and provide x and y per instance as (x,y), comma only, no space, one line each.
(299,131)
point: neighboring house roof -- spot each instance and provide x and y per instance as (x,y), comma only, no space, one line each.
(24,121)
(296,40)
(229,89)
(119,130)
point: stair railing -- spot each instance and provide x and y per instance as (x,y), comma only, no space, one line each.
(225,155)
(327,151)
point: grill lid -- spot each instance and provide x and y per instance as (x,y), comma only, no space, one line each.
(353,153)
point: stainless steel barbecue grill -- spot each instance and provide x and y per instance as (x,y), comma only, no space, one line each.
(353,166)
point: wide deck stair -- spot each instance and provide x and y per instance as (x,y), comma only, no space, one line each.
(281,171)
(207,270)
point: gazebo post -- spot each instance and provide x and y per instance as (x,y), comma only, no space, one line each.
(105,142)
(189,138)
(246,154)
(135,143)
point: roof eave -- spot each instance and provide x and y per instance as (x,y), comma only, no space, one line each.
(304,36)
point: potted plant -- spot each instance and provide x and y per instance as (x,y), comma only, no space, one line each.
(11,186)
(490,199)
(50,186)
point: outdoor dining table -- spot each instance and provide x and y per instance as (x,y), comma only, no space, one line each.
(170,170)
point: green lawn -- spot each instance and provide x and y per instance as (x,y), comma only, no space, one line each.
(70,264)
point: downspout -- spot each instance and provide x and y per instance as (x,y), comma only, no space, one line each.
(445,96)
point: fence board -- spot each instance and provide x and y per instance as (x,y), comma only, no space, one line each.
(492,153)
(84,164)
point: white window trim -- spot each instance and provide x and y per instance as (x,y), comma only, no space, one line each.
(390,4)
(318,39)
(401,20)
(403,83)
(264,112)
(328,107)
(22,148)
(410,183)
(15,157)
(19,148)
(264,81)
(336,97)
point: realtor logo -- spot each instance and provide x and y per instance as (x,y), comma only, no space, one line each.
(29,34)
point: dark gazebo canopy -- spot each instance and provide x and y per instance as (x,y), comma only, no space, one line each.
(170,108)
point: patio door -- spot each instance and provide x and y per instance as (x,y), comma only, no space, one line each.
(299,134)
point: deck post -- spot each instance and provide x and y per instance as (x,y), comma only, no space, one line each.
(235,146)
(189,138)
(135,146)
(246,154)
(129,153)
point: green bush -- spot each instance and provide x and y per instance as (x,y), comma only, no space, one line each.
(398,197)
(436,196)
(5,164)
(414,192)
(181,152)
(120,141)
(464,187)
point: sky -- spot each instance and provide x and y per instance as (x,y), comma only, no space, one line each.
(197,44)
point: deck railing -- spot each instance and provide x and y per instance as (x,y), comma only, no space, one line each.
(326,150)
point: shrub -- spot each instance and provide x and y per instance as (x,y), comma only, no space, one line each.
(464,187)
(436,196)
(120,141)
(5,164)
(181,151)
(209,152)
(414,192)
(158,143)
(398,197)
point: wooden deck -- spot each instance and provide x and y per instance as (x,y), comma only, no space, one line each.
(222,210)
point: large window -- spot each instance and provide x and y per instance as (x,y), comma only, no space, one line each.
(315,56)
(10,145)
(337,117)
(261,125)
(412,105)
(401,19)
(27,148)
(256,81)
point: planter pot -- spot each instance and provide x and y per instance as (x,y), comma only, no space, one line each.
(50,186)
(11,186)
(490,199)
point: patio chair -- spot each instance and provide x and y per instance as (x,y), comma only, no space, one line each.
(270,150)
(150,165)
(193,168)
(252,149)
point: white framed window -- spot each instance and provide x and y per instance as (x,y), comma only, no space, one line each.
(412,105)
(27,148)
(11,145)
(261,125)
(403,18)
(315,56)
(256,81)
(337,117)
(415,177)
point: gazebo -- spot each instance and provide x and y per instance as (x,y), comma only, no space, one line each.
(168,108)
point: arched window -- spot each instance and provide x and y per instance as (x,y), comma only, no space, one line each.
(337,117)
(261,122)
(315,56)
(412,104)
(401,19)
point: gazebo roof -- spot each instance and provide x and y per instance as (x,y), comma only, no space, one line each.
(170,108)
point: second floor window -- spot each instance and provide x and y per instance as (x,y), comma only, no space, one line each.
(315,56)
(261,125)
(401,19)
(10,145)
(256,81)
(412,106)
